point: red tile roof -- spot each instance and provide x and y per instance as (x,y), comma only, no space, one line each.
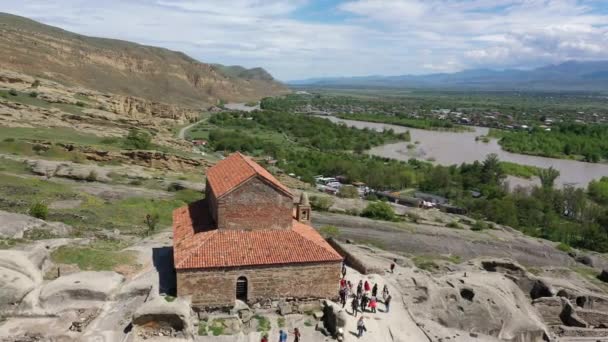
(197,244)
(233,171)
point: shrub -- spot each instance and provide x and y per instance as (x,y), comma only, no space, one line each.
(9,140)
(92,177)
(13,92)
(479,226)
(152,221)
(36,84)
(33,94)
(80,104)
(138,139)
(322,203)
(564,247)
(39,210)
(414,217)
(78,158)
(379,210)
(371,197)
(348,191)
(454,225)
(330,231)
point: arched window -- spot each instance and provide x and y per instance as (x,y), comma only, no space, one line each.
(241,289)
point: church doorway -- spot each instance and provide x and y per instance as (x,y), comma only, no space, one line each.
(241,289)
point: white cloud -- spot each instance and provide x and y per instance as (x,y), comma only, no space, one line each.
(371,36)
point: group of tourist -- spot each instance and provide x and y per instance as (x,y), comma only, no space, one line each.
(365,297)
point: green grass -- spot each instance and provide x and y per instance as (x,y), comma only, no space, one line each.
(188,195)
(26,99)
(58,135)
(9,243)
(217,327)
(263,323)
(564,247)
(127,215)
(169,299)
(102,255)
(53,152)
(202,328)
(17,194)
(429,263)
(13,166)
(518,170)
(454,225)
(281,322)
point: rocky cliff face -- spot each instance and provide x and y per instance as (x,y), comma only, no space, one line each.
(124,68)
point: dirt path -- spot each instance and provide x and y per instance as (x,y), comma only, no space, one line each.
(182,132)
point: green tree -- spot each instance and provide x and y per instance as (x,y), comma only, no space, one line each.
(379,210)
(491,170)
(598,190)
(330,231)
(138,139)
(548,177)
(348,191)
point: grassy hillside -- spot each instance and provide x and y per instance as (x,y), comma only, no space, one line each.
(126,68)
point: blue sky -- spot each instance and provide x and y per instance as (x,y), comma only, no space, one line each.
(295,39)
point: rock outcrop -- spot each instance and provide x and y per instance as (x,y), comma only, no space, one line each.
(18,277)
(80,290)
(18,226)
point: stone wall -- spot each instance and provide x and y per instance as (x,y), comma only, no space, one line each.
(217,288)
(255,205)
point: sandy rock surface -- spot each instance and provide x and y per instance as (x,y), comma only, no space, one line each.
(15,226)
(80,290)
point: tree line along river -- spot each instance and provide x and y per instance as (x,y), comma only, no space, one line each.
(448,148)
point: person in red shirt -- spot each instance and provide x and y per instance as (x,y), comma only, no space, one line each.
(264,338)
(366,286)
(296,335)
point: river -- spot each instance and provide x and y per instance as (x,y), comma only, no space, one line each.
(448,148)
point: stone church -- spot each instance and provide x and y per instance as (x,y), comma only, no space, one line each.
(247,240)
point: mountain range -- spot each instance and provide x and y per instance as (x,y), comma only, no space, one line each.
(567,76)
(125,68)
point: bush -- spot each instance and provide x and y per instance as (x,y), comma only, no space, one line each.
(36,84)
(92,177)
(322,203)
(414,217)
(39,210)
(80,104)
(348,191)
(564,247)
(379,210)
(33,94)
(138,139)
(454,225)
(9,140)
(479,226)
(13,92)
(330,231)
